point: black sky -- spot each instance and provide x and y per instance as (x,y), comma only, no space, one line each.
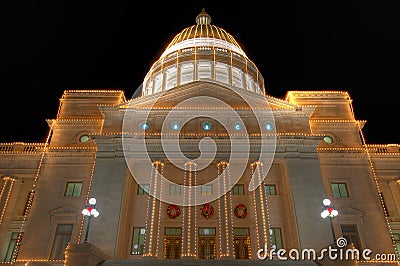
(51,46)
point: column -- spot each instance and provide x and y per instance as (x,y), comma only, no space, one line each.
(153,211)
(225,222)
(261,215)
(5,194)
(189,224)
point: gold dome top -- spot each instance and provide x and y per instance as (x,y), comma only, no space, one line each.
(203,34)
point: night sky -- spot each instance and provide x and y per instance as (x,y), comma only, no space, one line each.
(52,46)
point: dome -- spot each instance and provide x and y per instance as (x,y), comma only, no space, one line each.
(201,34)
(203,52)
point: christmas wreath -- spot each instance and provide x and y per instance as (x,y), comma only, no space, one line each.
(173,210)
(207,210)
(240,211)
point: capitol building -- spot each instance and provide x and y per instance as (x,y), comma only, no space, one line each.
(201,166)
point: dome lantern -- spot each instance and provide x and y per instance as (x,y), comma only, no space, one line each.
(203,18)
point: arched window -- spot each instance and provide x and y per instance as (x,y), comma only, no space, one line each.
(187,71)
(157,83)
(204,70)
(237,79)
(171,78)
(221,72)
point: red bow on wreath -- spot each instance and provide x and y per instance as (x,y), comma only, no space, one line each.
(207,210)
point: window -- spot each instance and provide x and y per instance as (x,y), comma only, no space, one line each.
(328,140)
(172,242)
(157,83)
(207,231)
(84,138)
(187,70)
(176,125)
(206,125)
(276,236)
(269,126)
(339,190)
(204,70)
(143,190)
(206,190)
(396,238)
(73,189)
(144,125)
(11,246)
(138,240)
(174,189)
(270,190)
(61,239)
(350,232)
(238,189)
(221,72)
(250,83)
(237,79)
(238,126)
(171,78)
(241,242)
(149,87)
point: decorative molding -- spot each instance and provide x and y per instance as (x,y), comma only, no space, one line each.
(64,211)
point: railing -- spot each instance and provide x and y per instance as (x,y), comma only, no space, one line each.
(384,148)
(21,147)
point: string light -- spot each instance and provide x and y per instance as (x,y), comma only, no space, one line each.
(223,169)
(291,95)
(43,148)
(159,204)
(29,204)
(255,207)
(379,262)
(377,186)
(261,199)
(189,247)
(87,195)
(6,180)
(219,209)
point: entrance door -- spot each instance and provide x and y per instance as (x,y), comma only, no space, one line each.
(172,243)
(207,243)
(241,240)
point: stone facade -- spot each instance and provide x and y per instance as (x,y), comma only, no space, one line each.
(318,152)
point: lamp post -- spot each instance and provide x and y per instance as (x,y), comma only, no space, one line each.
(90,211)
(329,212)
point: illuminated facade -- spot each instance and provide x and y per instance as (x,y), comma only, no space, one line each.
(320,152)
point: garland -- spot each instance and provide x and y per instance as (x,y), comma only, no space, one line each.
(240,211)
(173,211)
(207,210)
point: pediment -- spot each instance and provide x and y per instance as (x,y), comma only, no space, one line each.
(208,94)
(350,211)
(63,211)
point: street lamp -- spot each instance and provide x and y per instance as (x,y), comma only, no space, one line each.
(329,212)
(90,211)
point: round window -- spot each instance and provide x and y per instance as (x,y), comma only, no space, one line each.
(206,125)
(175,125)
(328,139)
(144,125)
(237,126)
(269,126)
(84,138)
